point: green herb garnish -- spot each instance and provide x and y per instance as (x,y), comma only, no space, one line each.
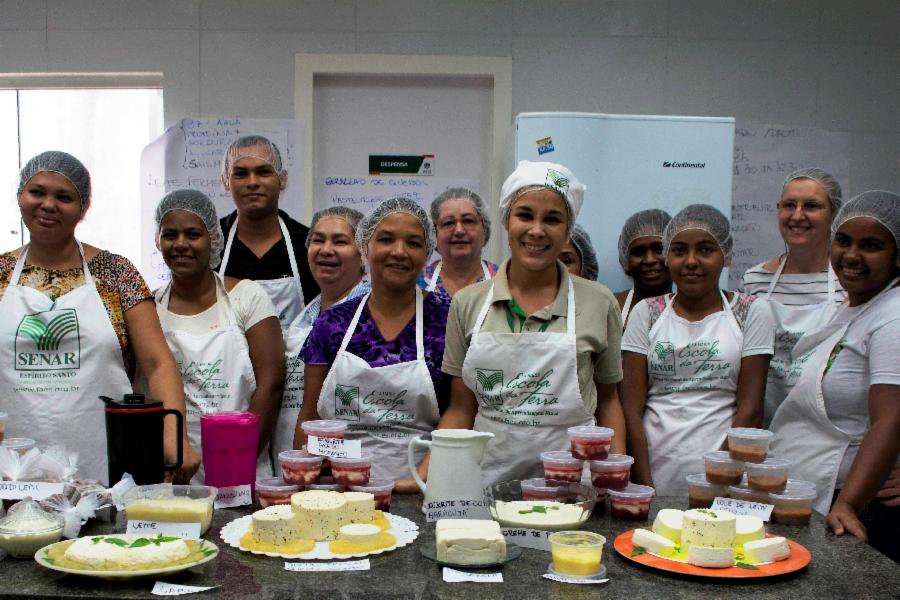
(744,565)
(140,543)
(706,511)
(638,550)
(116,542)
(208,552)
(97,539)
(50,560)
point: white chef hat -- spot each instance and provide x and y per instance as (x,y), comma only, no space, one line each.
(542,174)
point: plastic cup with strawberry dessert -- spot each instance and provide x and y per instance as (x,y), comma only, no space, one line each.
(325,428)
(541,489)
(742,492)
(3,418)
(326,484)
(632,503)
(792,506)
(381,489)
(721,469)
(352,471)
(612,473)
(274,490)
(748,445)
(768,476)
(590,442)
(701,492)
(299,467)
(20,445)
(561,466)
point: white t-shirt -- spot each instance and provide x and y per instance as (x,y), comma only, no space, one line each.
(792,289)
(868,356)
(250,302)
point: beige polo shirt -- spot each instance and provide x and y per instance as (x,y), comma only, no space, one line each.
(598,327)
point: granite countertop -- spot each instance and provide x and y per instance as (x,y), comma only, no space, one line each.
(840,567)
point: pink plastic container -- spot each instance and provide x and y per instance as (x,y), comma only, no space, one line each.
(561,466)
(612,473)
(352,471)
(590,442)
(229,441)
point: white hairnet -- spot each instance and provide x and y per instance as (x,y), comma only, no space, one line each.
(582,242)
(705,218)
(61,163)
(462,194)
(254,146)
(350,215)
(823,178)
(645,223)
(388,207)
(197,203)
(529,174)
(880,205)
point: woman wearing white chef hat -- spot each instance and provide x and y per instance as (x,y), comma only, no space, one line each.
(535,350)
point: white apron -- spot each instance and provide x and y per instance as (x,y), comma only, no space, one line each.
(626,308)
(385,406)
(292,398)
(526,385)
(683,422)
(286,293)
(790,323)
(432,284)
(803,431)
(216,370)
(56,358)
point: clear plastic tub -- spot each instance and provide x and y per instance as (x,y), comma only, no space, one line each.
(299,467)
(612,473)
(576,553)
(721,469)
(742,492)
(749,445)
(701,492)
(381,489)
(20,445)
(561,466)
(326,484)
(274,490)
(3,419)
(770,475)
(171,504)
(325,428)
(590,442)
(632,503)
(793,507)
(541,489)
(352,471)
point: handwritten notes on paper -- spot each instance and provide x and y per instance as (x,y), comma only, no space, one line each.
(365,192)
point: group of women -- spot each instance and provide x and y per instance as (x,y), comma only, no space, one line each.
(398,347)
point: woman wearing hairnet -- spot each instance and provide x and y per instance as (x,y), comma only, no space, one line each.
(579,255)
(642,258)
(695,361)
(535,350)
(75,319)
(463,228)
(840,424)
(800,285)
(337,266)
(223,331)
(375,361)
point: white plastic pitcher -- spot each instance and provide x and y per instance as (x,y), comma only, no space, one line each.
(454,471)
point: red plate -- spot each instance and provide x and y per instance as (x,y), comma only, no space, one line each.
(799,558)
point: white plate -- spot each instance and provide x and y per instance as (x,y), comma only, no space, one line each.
(401,528)
(42,559)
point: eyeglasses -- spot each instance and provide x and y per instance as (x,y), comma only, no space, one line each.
(810,206)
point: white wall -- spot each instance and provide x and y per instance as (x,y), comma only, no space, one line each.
(825,63)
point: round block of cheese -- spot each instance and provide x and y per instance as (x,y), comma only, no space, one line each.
(359,533)
(748,529)
(668,524)
(320,514)
(361,506)
(707,528)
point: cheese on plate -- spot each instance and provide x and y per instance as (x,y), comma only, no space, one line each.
(717,558)
(707,528)
(469,542)
(321,514)
(668,524)
(748,529)
(653,542)
(767,550)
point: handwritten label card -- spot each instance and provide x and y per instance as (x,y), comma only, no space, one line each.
(161,588)
(457,508)
(38,490)
(563,579)
(742,507)
(527,538)
(333,447)
(454,576)
(182,530)
(238,495)
(318,567)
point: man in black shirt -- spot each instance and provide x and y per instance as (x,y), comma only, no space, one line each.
(263,243)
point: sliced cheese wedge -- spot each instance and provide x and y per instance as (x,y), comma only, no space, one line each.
(359,533)
(748,529)
(653,542)
(767,550)
(668,524)
(715,558)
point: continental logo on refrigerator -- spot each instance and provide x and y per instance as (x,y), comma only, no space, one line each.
(544,145)
(667,164)
(48,341)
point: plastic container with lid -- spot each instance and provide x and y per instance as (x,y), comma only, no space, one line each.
(20,445)
(541,489)
(3,419)
(747,444)
(771,475)
(352,471)
(631,503)
(721,469)
(381,489)
(743,492)
(28,528)
(300,467)
(793,506)
(274,490)
(702,493)
(327,484)
(168,503)
(611,473)
(590,442)
(576,553)
(325,428)
(561,466)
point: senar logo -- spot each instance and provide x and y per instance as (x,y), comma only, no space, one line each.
(558,181)
(48,341)
(346,402)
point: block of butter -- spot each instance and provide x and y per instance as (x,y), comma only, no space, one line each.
(469,542)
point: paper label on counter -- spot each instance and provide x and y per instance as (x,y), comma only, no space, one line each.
(455,576)
(742,507)
(316,567)
(238,495)
(563,579)
(182,530)
(527,538)
(333,447)
(456,508)
(161,588)
(38,490)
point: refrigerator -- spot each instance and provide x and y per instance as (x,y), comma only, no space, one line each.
(630,163)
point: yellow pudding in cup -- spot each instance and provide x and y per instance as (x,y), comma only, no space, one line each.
(576,553)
